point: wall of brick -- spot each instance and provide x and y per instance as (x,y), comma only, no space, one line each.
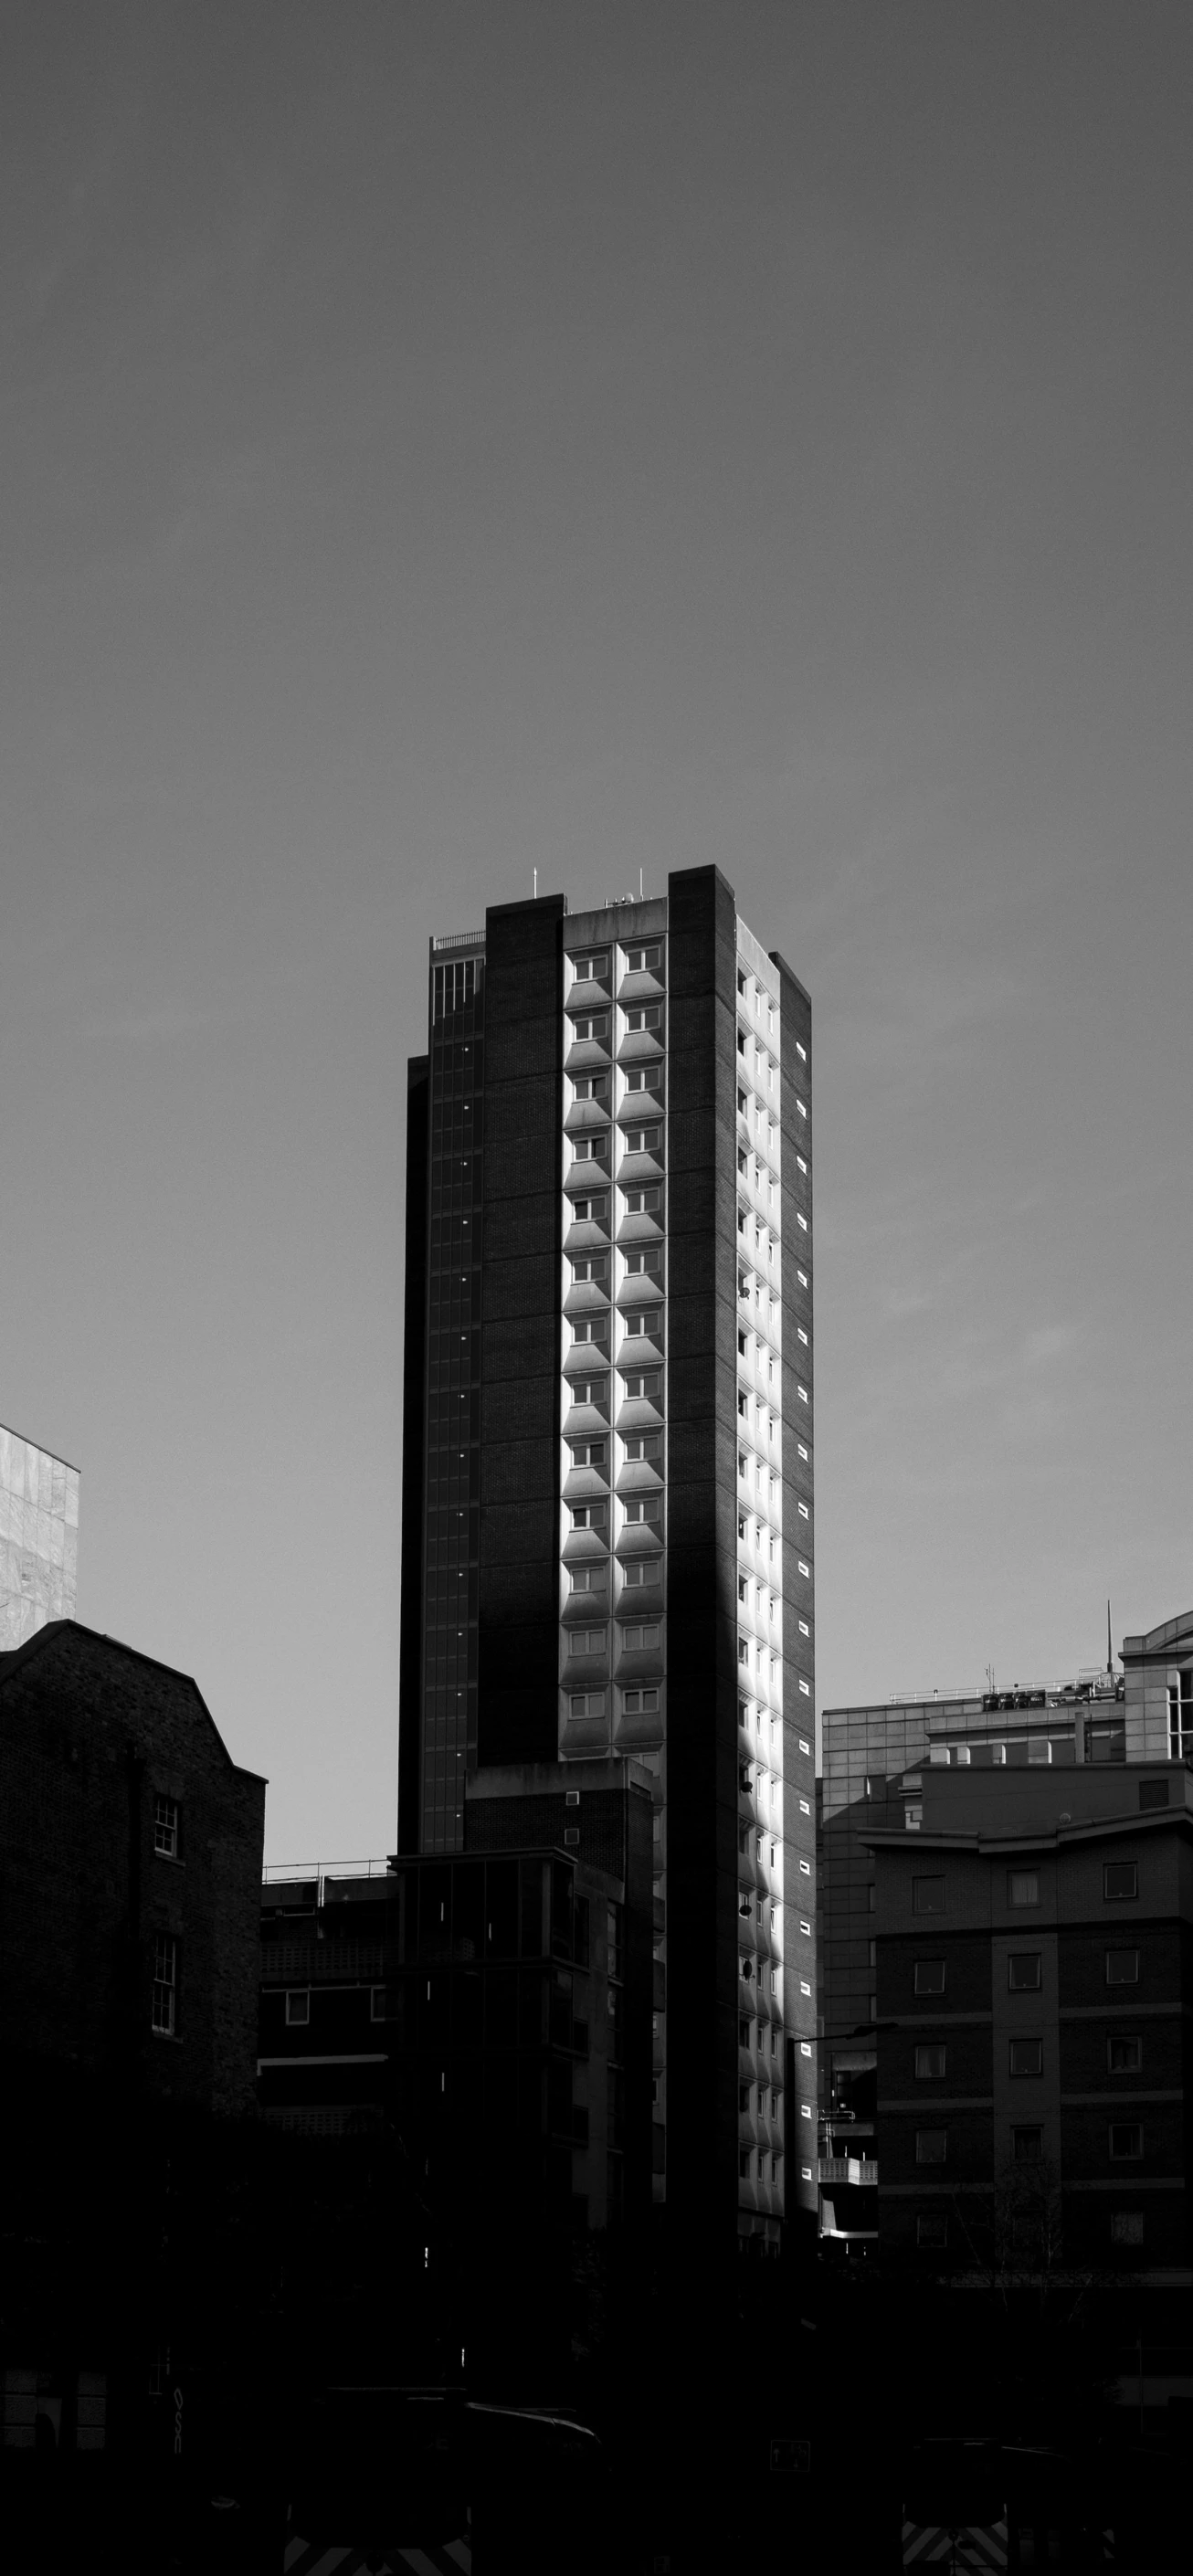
(90,1733)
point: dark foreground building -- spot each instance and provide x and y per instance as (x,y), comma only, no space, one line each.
(130,1859)
(608,1501)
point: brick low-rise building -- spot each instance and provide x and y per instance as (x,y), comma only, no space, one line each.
(1034,1938)
(130,1866)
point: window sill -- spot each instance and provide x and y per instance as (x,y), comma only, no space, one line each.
(172,2038)
(171,1859)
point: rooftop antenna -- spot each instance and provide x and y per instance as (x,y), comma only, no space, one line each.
(639,885)
(1109,1648)
(536,885)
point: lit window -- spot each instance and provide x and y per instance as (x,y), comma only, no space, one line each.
(1023,1887)
(165,1984)
(165,1827)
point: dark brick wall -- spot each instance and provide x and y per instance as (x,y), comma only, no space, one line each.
(90,1732)
(702,1557)
(414,1365)
(517,1717)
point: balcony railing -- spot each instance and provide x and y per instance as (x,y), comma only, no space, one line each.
(847,2169)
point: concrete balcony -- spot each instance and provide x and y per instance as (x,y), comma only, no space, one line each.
(847,2169)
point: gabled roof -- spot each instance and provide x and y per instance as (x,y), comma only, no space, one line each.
(55,1630)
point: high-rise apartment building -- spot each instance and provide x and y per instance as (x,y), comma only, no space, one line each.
(39,1538)
(608,1543)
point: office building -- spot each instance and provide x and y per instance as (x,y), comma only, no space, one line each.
(608,1534)
(1034,1974)
(39,1538)
(871,1760)
(501,1993)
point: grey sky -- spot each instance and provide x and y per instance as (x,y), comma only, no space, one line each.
(444,441)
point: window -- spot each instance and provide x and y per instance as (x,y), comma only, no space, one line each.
(803,1627)
(588,1578)
(1023,1887)
(929,1976)
(589,970)
(1119,1878)
(639,1703)
(804,1745)
(741,981)
(805,1869)
(927,1895)
(378,2004)
(805,1926)
(743,2034)
(643,1507)
(930,2059)
(801,1221)
(804,1512)
(931,2146)
(165,1827)
(590,1390)
(298,2008)
(804,1569)
(591,1328)
(806,1689)
(165,1984)
(642,961)
(1126,2227)
(596,1267)
(801,1050)
(741,1346)
(1126,2141)
(1124,2056)
(589,1211)
(642,1140)
(1027,2146)
(588,1453)
(646,1384)
(647,1018)
(589,1149)
(741,1041)
(592,1086)
(743,2097)
(1154,1793)
(745,2158)
(1027,2057)
(1122,1967)
(637,1640)
(642,1324)
(649,1264)
(931,2230)
(598,1028)
(1180,1724)
(586,1641)
(636,1577)
(587,1704)
(588,1516)
(1023,1971)
(743,1650)
(804,1808)
(644,1077)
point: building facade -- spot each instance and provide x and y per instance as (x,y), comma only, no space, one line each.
(872,1760)
(130,1867)
(608,1548)
(499,1995)
(1034,1964)
(39,1538)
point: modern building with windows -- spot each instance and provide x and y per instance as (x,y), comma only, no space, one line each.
(608,1537)
(39,1538)
(1034,1953)
(873,1759)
